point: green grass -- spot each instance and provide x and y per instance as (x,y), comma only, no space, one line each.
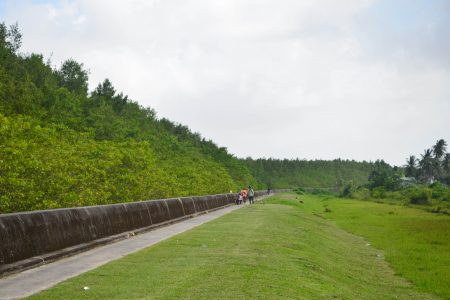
(278,250)
(416,243)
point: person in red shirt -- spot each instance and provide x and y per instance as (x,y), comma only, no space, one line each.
(244,194)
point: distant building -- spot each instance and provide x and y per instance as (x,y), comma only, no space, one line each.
(407,181)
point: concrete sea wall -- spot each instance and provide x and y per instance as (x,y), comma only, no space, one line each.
(35,237)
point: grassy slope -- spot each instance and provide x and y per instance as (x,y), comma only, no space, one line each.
(415,243)
(274,251)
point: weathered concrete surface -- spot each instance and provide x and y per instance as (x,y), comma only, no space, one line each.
(43,277)
(38,233)
(33,238)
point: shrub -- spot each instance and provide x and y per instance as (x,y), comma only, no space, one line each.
(420,196)
(317,191)
(299,191)
(446,180)
(361,193)
(398,196)
(440,191)
(378,192)
(348,189)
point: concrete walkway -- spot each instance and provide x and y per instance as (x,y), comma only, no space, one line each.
(34,280)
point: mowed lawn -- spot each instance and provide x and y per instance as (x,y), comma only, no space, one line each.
(282,249)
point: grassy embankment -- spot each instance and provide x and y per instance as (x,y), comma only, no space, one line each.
(416,243)
(283,249)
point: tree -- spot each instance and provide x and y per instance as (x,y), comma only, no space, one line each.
(104,89)
(105,92)
(426,165)
(10,39)
(385,176)
(411,167)
(348,188)
(446,164)
(439,149)
(73,77)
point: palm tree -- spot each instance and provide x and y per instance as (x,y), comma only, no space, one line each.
(426,165)
(411,166)
(439,149)
(446,164)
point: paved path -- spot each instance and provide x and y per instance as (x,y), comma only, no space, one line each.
(34,280)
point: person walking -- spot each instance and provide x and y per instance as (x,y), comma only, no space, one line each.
(251,194)
(239,199)
(244,194)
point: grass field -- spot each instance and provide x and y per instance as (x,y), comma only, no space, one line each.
(416,243)
(280,250)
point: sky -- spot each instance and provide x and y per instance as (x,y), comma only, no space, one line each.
(349,79)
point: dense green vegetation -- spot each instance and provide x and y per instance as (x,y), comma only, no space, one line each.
(301,173)
(413,241)
(54,166)
(279,250)
(434,164)
(62,145)
(426,184)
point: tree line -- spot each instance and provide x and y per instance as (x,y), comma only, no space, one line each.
(424,181)
(433,164)
(289,173)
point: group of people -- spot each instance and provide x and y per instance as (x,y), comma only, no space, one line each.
(246,194)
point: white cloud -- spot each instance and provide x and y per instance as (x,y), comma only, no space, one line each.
(308,79)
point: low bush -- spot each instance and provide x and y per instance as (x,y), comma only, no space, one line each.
(378,192)
(440,191)
(420,196)
(347,190)
(299,191)
(320,192)
(361,193)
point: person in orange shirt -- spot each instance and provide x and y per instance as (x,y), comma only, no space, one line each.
(244,194)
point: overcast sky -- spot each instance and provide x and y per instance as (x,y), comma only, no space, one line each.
(355,79)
